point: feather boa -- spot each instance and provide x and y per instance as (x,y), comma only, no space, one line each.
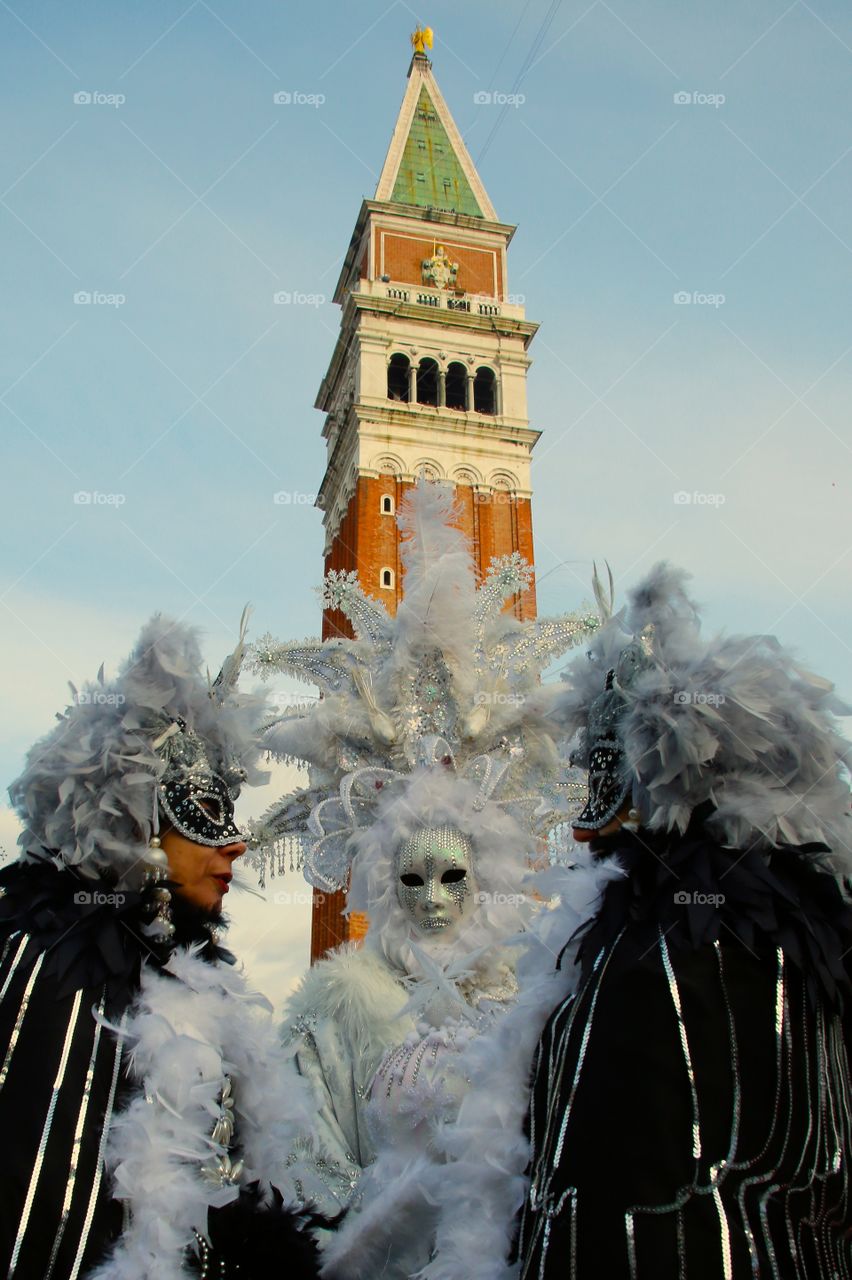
(483,1185)
(189,1027)
(390,1235)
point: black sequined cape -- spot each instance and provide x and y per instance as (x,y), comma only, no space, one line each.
(70,959)
(691,1113)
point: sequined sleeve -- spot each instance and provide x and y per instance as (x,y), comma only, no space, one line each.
(329,1160)
(60,1074)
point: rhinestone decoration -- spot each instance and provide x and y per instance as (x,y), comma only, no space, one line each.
(608,784)
(198,800)
(428,856)
(200,807)
(506,576)
(342,590)
(807,1076)
(328,665)
(430,704)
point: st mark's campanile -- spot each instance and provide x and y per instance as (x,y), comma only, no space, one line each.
(428,375)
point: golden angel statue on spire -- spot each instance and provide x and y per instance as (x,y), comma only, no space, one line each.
(421,39)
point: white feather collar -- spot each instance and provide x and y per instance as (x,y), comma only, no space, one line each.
(187,1036)
(484,1183)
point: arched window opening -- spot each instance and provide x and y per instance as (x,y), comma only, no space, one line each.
(427,382)
(456,386)
(398,377)
(387,504)
(485,391)
(387,579)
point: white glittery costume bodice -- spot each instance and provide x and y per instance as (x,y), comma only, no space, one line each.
(419,1084)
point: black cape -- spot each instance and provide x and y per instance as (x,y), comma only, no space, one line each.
(691,1114)
(70,959)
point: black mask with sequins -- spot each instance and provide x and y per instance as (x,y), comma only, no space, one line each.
(609,782)
(197,801)
(607,787)
(200,807)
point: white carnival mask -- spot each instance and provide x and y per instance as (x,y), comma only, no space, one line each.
(435,879)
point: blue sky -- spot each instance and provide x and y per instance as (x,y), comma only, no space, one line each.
(186,198)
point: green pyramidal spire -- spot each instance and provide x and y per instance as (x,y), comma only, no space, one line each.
(430,173)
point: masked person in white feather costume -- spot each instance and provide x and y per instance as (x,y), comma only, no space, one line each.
(433,780)
(141,1085)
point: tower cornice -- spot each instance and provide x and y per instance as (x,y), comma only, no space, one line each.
(441,435)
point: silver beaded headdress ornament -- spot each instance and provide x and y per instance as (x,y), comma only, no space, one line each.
(444,687)
(672,721)
(161,736)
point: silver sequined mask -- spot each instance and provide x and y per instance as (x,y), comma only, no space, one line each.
(435,878)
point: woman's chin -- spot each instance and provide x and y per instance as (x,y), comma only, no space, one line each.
(207,907)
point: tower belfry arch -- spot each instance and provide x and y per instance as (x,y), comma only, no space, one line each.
(428,374)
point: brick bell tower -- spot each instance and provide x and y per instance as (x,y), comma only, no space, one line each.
(428,375)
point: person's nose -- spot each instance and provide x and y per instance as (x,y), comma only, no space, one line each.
(235,850)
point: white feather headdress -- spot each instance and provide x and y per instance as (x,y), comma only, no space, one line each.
(88,793)
(732,722)
(442,690)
